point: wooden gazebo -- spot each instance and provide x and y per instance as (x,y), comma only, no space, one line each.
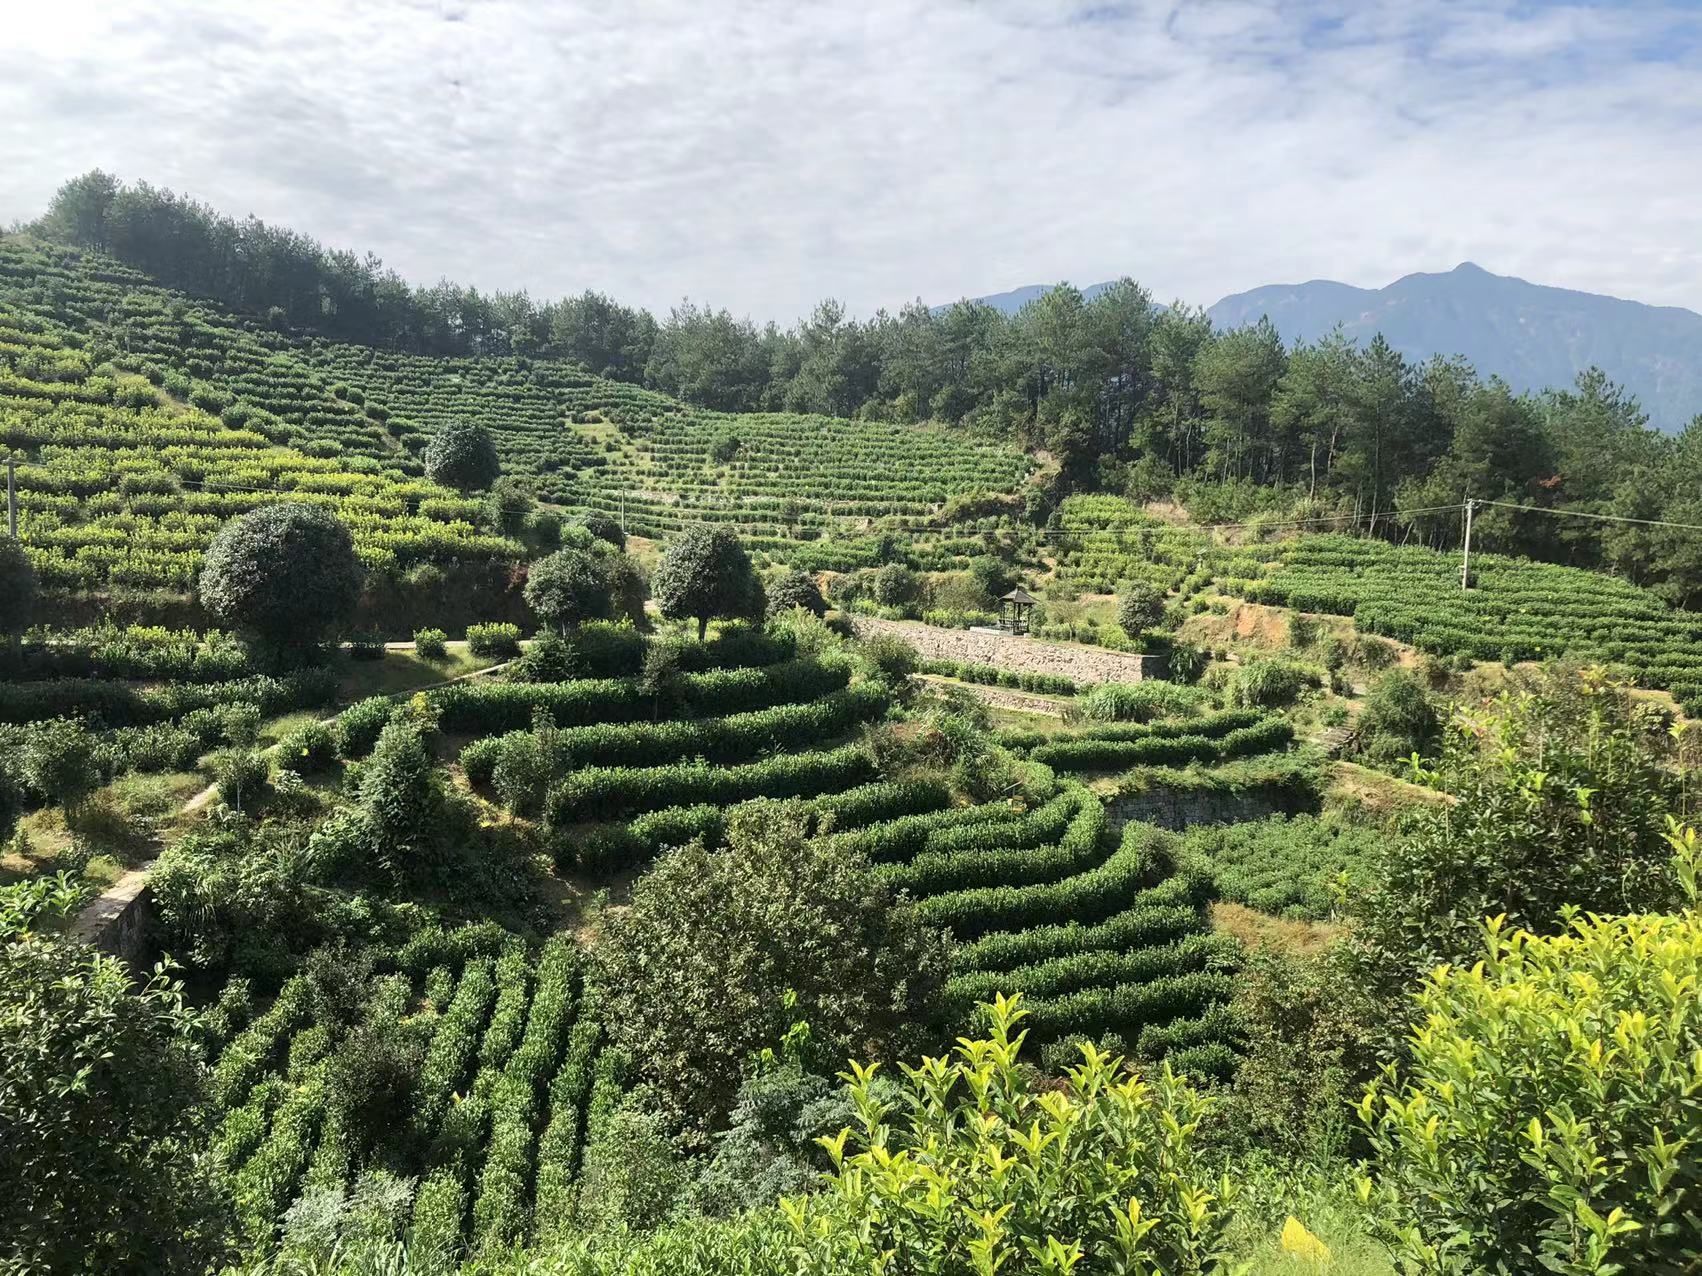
(1014,611)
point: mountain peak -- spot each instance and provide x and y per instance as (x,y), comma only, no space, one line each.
(1469,268)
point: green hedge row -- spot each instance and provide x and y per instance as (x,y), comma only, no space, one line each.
(500,1210)
(1211,725)
(1080,847)
(1089,896)
(735,738)
(1153,916)
(480,708)
(562,1142)
(905,837)
(118,704)
(1051,684)
(454,1039)
(1119,755)
(622,846)
(1128,1008)
(1062,975)
(602,793)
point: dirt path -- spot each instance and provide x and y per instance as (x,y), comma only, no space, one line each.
(1004,697)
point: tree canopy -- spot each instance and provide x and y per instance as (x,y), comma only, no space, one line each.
(287,573)
(17,587)
(568,588)
(700,966)
(462,455)
(705,574)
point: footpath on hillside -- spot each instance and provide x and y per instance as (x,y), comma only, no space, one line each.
(112,920)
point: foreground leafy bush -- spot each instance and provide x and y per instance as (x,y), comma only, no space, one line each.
(102,1111)
(1549,1117)
(974,1169)
(1564,789)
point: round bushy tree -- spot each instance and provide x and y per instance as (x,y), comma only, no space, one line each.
(463,456)
(795,589)
(287,573)
(1139,609)
(17,587)
(704,574)
(700,966)
(568,588)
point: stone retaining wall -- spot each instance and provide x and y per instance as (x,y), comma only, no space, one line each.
(1085,665)
(118,921)
(1180,809)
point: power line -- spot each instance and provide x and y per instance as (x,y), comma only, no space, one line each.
(1605,518)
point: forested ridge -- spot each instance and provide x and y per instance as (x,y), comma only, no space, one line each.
(1127,396)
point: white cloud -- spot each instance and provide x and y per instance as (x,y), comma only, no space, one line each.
(761,154)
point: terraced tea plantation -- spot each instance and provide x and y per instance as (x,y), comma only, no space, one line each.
(586,443)
(818,491)
(513,1079)
(1515,610)
(121,485)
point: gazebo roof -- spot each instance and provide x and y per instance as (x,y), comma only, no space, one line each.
(1020,596)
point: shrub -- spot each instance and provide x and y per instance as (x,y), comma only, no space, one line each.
(1141,701)
(59,762)
(1398,720)
(1546,1121)
(1268,683)
(1373,652)
(891,661)
(240,775)
(286,572)
(699,967)
(896,586)
(104,1115)
(972,1158)
(491,640)
(307,750)
(1563,797)
(399,795)
(1140,607)
(603,528)
(356,729)
(795,589)
(463,456)
(431,644)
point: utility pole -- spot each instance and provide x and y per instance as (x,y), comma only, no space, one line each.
(1466,555)
(12,494)
(623,513)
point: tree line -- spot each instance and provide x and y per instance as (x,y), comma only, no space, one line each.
(1124,394)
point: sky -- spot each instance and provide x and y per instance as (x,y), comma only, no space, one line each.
(759,155)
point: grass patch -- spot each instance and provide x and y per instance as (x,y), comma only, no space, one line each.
(402,671)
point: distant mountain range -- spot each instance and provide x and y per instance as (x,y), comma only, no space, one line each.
(1531,336)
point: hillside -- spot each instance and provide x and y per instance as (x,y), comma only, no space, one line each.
(143,417)
(1532,336)
(529,891)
